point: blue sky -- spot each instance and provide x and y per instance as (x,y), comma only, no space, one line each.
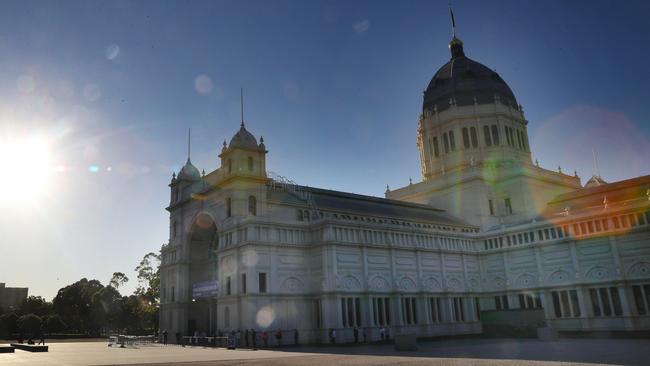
(335,88)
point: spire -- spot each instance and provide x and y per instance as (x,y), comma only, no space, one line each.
(596,170)
(453,22)
(189,132)
(456,45)
(241,104)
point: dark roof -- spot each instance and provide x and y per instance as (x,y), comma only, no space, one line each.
(244,139)
(189,171)
(617,192)
(464,79)
(368,205)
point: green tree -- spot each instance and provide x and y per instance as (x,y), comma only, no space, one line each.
(54,324)
(149,278)
(118,280)
(35,305)
(75,306)
(8,324)
(106,307)
(30,324)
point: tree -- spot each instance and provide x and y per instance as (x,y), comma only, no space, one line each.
(54,324)
(30,324)
(118,280)
(35,305)
(8,324)
(106,307)
(149,277)
(75,306)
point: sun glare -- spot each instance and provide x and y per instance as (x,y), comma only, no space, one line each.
(24,170)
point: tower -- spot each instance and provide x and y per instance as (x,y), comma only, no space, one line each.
(474,150)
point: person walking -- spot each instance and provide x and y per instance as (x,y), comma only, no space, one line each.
(333,336)
(387,335)
(356,334)
(246,337)
(265,338)
(382,334)
(364,333)
(42,335)
(278,337)
(295,337)
(164,336)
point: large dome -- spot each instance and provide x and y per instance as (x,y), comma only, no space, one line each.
(464,81)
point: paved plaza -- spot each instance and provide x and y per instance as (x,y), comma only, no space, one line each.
(444,352)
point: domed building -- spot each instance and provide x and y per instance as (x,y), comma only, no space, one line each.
(475,156)
(486,242)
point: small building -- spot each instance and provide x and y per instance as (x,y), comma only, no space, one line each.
(11,297)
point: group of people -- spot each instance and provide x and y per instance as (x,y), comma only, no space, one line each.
(383,331)
(251,338)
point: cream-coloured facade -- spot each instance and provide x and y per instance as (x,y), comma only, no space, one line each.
(486,229)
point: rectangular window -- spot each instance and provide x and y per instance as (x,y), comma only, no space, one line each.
(350,312)
(495,135)
(409,311)
(445,140)
(491,204)
(228,288)
(436,151)
(508,206)
(616,223)
(486,135)
(605,301)
(262,282)
(243,283)
(452,141)
(641,298)
(472,132)
(508,139)
(318,317)
(465,138)
(459,311)
(435,314)
(381,311)
(566,304)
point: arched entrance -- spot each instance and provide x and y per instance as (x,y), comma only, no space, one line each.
(202,271)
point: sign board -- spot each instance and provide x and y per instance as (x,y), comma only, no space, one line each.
(205,289)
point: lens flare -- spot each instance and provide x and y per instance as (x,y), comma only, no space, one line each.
(265,317)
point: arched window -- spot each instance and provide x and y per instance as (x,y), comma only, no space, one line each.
(229,165)
(472,132)
(495,135)
(445,140)
(175,229)
(252,205)
(465,138)
(486,135)
(300,218)
(228,207)
(452,141)
(175,194)
(436,151)
(250,163)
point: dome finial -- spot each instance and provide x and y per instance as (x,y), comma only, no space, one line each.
(456,45)
(241,103)
(189,132)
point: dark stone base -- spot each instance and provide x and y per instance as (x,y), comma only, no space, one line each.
(30,347)
(4,348)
